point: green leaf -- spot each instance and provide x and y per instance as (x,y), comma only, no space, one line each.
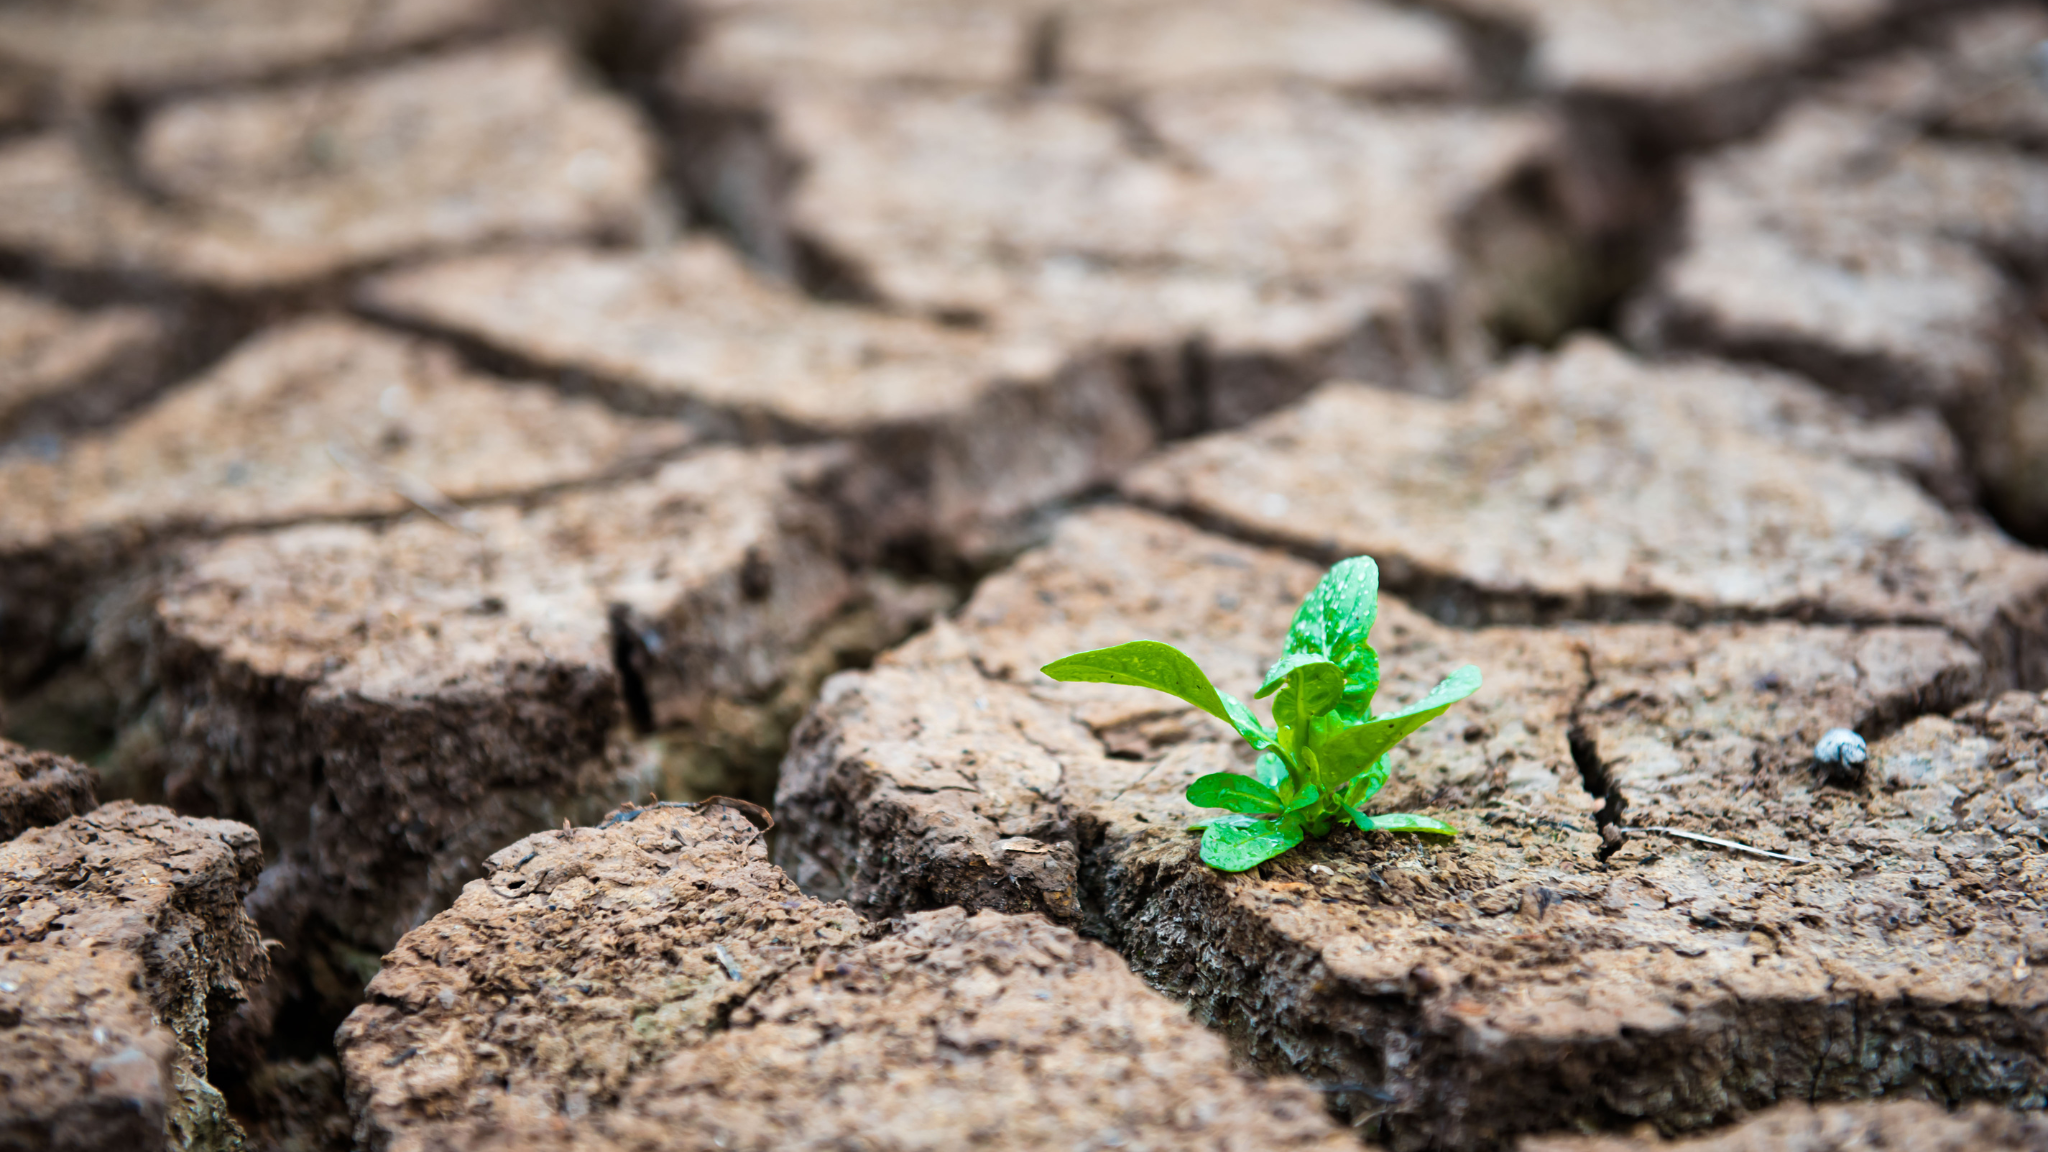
(1308,796)
(1237,793)
(1361,683)
(1367,784)
(1336,620)
(1145,664)
(1236,847)
(1342,753)
(1400,822)
(1308,692)
(1247,723)
(1324,675)
(1228,820)
(1271,771)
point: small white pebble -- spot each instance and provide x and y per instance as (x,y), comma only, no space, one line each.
(1841,746)
(99,1035)
(1324,871)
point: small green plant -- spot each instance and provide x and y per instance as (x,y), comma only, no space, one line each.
(1325,754)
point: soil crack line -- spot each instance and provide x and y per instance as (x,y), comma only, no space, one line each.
(1593,774)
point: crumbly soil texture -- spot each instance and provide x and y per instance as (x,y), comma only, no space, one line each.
(529,530)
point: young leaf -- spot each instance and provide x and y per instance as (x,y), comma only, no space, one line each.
(1336,620)
(1309,795)
(1322,674)
(1247,723)
(1343,753)
(1145,664)
(1237,793)
(1307,691)
(1366,784)
(1228,820)
(1361,683)
(1400,822)
(1235,847)
(1271,770)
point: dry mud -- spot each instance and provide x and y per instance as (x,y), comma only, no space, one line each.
(657,983)
(124,941)
(1842,1128)
(961,436)
(428,422)
(1542,971)
(39,788)
(286,187)
(1198,185)
(1593,484)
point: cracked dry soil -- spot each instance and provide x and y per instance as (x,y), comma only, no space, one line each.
(428,426)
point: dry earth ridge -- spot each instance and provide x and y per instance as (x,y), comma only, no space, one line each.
(320,419)
(92,47)
(1589,484)
(1844,1128)
(391,704)
(1886,236)
(122,942)
(657,983)
(283,189)
(41,788)
(1248,218)
(389,697)
(962,437)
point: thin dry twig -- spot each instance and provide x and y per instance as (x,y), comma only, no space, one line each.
(428,498)
(1720,843)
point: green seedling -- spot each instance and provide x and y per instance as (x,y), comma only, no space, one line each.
(1325,753)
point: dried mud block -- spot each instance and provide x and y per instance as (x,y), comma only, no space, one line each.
(1867,240)
(749,51)
(963,435)
(1976,80)
(1693,73)
(1841,1128)
(658,983)
(1291,189)
(1588,484)
(752,52)
(1147,47)
(147,46)
(284,188)
(319,419)
(1558,964)
(63,368)
(1291,232)
(39,788)
(124,937)
(387,704)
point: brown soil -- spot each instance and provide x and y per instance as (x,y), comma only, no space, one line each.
(1882,239)
(1590,484)
(40,788)
(962,436)
(285,188)
(1843,1128)
(428,424)
(124,941)
(656,983)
